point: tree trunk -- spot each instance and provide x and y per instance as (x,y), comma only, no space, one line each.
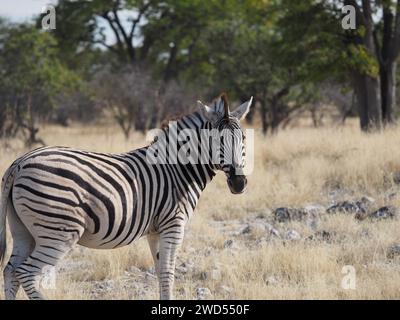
(374,102)
(275,118)
(154,118)
(368,99)
(367,86)
(169,71)
(30,126)
(314,115)
(264,120)
(388,91)
(387,60)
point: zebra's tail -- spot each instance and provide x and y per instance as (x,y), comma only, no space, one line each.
(6,186)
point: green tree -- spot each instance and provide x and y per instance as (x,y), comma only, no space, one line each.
(365,57)
(225,45)
(152,32)
(245,62)
(31,75)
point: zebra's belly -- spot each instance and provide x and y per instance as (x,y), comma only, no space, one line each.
(90,240)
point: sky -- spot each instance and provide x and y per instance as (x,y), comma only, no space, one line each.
(25,10)
(22,10)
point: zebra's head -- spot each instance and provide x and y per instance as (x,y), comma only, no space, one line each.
(228,135)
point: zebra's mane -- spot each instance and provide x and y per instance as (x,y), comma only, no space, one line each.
(174,117)
(195,120)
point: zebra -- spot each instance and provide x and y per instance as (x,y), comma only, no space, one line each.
(57,197)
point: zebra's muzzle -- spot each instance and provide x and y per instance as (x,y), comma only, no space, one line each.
(237,184)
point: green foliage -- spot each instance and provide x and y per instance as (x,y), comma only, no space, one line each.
(233,46)
(363,61)
(77,34)
(30,65)
(31,74)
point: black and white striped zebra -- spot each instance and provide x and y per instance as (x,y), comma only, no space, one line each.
(57,197)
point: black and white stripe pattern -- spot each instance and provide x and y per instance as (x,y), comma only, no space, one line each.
(57,197)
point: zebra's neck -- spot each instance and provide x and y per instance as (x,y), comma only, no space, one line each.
(201,172)
(190,178)
(205,171)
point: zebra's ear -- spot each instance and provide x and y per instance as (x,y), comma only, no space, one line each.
(241,111)
(207,112)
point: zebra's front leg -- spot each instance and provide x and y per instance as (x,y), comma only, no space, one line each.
(154,244)
(170,241)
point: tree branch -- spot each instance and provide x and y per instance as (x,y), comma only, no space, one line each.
(142,11)
(396,35)
(103,43)
(115,30)
(378,48)
(367,10)
(127,39)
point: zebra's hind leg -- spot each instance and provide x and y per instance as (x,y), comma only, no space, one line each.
(23,244)
(11,282)
(49,250)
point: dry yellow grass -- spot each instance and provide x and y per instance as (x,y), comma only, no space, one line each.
(297,167)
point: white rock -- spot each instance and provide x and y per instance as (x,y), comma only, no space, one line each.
(257,227)
(367,200)
(134,269)
(268,226)
(271,230)
(292,235)
(150,276)
(191,250)
(271,280)
(203,293)
(314,209)
(275,233)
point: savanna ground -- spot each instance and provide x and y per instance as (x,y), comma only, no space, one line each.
(229,247)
